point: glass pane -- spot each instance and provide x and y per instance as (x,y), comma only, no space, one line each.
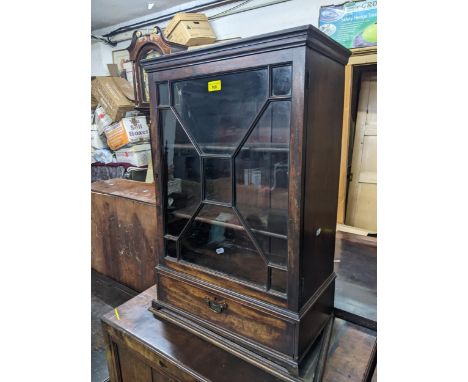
(218,181)
(171,250)
(163,94)
(144,75)
(281,81)
(275,249)
(278,280)
(219,110)
(217,240)
(183,174)
(262,181)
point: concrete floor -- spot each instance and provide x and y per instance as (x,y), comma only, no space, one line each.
(106,294)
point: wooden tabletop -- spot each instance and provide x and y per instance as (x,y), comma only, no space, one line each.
(130,189)
(350,356)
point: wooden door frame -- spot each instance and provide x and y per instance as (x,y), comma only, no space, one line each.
(359,57)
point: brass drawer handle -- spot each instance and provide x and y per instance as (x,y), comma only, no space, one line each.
(217,307)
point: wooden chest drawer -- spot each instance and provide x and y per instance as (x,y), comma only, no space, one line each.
(227,315)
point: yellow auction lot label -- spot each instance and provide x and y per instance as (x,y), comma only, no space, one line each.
(214,86)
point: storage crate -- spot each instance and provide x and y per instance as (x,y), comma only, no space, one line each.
(190,29)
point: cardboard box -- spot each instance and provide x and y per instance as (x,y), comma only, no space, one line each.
(136,155)
(97,141)
(94,102)
(190,29)
(129,130)
(113,70)
(114,94)
(101,119)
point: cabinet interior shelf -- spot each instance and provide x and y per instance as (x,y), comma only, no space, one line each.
(261,148)
(182,215)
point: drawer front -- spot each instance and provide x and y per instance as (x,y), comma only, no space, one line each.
(253,324)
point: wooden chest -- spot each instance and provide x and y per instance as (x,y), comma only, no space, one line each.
(141,348)
(123,231)
(246,139)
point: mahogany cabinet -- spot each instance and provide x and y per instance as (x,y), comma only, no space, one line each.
(246,140)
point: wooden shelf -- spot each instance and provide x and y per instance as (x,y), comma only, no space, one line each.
(212,220)
(227,148)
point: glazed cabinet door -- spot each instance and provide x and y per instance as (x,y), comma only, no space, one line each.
(224,137)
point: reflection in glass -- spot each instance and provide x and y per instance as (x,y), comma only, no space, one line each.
(278,280)
(144,74)
(281,80)
(217,122)
(218,182)
(182,174)
(219,119)
(217,240)
(262,175)
(163,94)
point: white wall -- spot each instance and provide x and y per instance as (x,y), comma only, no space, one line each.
(269,19)
(101,55)
(245,24)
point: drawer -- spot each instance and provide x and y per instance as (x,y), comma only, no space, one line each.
(229,314)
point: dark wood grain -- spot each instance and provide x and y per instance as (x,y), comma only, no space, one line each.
(325,109)
(245,289)
(128,189)
(296,178)
(314,319)
(305,35)
(159,341)
(175,353)
(140,45)
(123,232)
(131,368)
(314,153)
(264,328)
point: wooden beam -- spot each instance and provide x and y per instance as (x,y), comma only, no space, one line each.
(344,144)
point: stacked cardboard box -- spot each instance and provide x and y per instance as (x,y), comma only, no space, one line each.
(137,155)
(118,132)
(114,94)
(190,29)
(130,130)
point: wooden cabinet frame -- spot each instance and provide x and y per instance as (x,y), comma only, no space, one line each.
(359,57)
(273,331)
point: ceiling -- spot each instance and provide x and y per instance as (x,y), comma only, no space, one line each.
(105,13)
